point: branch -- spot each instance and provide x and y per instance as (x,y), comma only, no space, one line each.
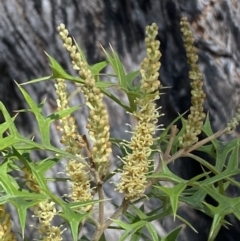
(174,131)
(101,204)
(122,209)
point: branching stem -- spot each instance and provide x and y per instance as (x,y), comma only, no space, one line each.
(122,209)
(182,152)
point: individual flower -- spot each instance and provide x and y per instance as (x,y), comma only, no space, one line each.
(136,163)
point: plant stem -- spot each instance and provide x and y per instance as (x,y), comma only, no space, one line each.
(101,204)
(174,131)
(183,152)
(206,140)
(122,208)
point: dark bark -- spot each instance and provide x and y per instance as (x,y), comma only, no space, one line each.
(27,28)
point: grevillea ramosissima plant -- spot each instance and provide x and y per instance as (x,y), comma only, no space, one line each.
(87,156)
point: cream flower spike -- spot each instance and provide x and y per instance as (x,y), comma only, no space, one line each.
(196,116)
(98,123)
(136,163)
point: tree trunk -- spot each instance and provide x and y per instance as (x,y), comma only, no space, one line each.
(28,28)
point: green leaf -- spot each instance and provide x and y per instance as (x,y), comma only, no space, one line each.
(222,155)
(130,77)
(136,236)
(7,183)
(194,197)
(129,228)
(73,215)
(39,174)
(43,123)
(172,236)
(74,219)
(187,223)
(207,129)
(12,129)
(232,163)
(103,85)
(61,113)
(215,227)
(58,71)
(142,215)
(152,231)
(115,99)
(174,193)
(82,55)
(78,205)
(132,92)
(103,238)
(132,95)
(96,68)
(117,67)
(20,198)
(163,139)
(23,205)
(28,145)
(209,149)
(7,142)
(5,126)
(125,80)
(166,175)
(84,238)
(225,206)
(38,80)
(158,213)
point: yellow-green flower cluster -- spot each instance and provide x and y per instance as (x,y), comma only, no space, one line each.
(30,181)
(80,182)
(98,123)
(77,171)
(70,136)
(98,126)
(45,211)
(234,122)
(5,226)
(136,163)
(197,115)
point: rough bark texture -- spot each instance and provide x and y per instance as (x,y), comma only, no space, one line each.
(27,27)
